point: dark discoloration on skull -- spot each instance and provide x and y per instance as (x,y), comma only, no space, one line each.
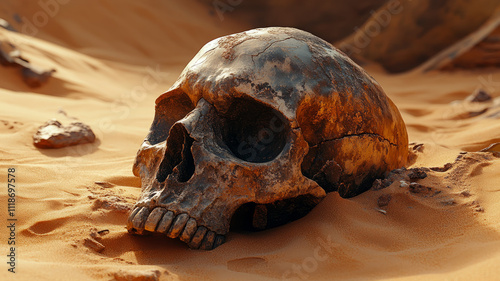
(255,130)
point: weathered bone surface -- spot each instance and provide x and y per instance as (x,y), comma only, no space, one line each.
(255,131)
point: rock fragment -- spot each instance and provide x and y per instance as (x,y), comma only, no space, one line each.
(93,244)
(5,24)
(10,56)
(7,53)
(145,275)
(479,96)
(54,135)
(418,147)
(104,184)
(417,173)
(448,201)
(465,193)
(113,203)
(479,209)
(97,235)
(384,200)
(443,169)
(379,184)
(35,77)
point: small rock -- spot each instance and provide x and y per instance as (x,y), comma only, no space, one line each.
(105,184)
(404,184)
(113,203)
(103,232)
(417,173)
(479,96)
(415,185)
(465,193)
(54,135)
(397,172)
(381,211)
(377,185)
(7,54)
(418,147)
(420,189)
(93,244)
(11,56)
(384,200)
(5,24)
(477,113)
(97,235)
(479,209)
(146,275)
(448,201)
(35,77)
(445,168)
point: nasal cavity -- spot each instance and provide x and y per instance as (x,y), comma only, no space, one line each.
(178,159)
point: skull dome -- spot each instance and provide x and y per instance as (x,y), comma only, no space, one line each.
(257,129)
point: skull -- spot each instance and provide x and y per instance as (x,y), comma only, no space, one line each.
(255,131)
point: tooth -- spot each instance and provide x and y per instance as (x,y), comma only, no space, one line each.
(198,237)
(189,230)
(208,241)
(131,217)
(219,240)
(260,217)
(178,225)
(154,218)
(139,220)
(165,222)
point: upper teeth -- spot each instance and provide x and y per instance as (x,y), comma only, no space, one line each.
(160,220)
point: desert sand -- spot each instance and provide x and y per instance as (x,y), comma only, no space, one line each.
(114,58)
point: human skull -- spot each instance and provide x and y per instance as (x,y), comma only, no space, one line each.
(255,131)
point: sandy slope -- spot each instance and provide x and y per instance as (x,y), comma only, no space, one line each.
(110,70)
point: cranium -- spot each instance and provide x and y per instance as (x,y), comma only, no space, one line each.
(255,131)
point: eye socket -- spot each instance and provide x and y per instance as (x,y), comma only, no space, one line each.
(171,107)
(254,132)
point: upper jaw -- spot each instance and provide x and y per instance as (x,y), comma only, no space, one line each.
(175,225)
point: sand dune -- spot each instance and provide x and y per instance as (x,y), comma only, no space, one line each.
(114,58)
